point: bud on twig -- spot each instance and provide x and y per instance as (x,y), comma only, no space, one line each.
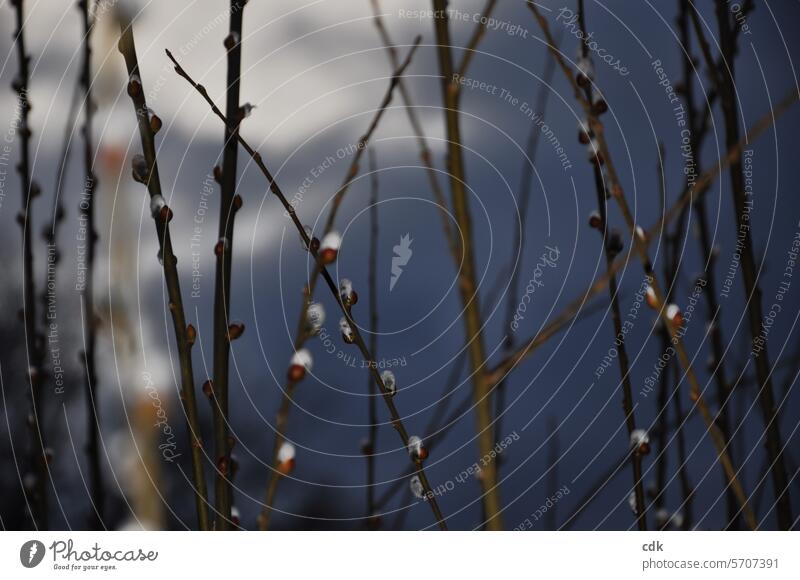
(235,330)
(416,449)
(389,382)
(346,292)
(329,247)
(347,332)
(640,441)
(300,364)
(191,334)
(286,460)
(139,168)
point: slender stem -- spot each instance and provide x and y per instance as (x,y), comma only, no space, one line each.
(664,380)
(373,340)
(616,316)
(699,129)
(477,35)
(743,204)
(36,494)
(364,140)
(222,285)
(467,279)
(551,516)
(89,316)
(358,340)
(170,267)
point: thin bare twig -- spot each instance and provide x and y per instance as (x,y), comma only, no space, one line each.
(90,318)
(36,492)
(372,519)
(611,250)
(518,244)
(477,35)
(766,398)
(302,335)
(467,280)
(229,203)
(161,217)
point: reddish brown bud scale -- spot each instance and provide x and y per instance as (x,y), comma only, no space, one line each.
(165,214)
(286,467)
(134,88)
(238,202)
(600,106)
(191,334)
(208,389)
(328,256)
(235,330)
(296,373)
(155,123)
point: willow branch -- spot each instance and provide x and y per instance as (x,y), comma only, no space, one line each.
(477,36)
(699,129)
(36,493)
(518,244)
(161,219)
(373,340)
(90,319)
(224,259)
(766,398)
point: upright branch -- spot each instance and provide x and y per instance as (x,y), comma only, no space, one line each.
(417,453)
(699,129)
(667,313)
(743,205)
(467,279)
(38,471)
(612,245)
(90,319)
(229,203)
(145,170)
(369,448)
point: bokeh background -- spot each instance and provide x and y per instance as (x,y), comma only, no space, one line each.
(315,72)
